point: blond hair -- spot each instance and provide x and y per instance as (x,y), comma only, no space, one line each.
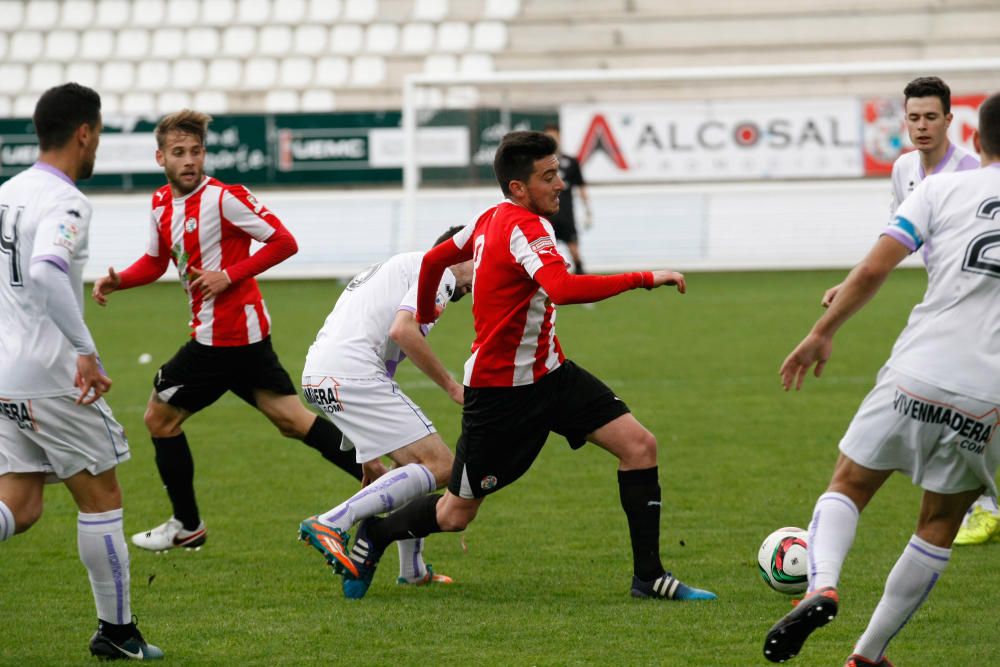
(185,121)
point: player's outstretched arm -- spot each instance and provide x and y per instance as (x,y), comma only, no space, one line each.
(405,332)
(666,277)
(105,285)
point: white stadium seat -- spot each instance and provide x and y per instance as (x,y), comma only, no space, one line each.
(183,13)
(381,38)
(110,104)
(239,41)
(84,73)
(24,105)
(13,78)
(489,36)
(187,74)
(117,76)
(441,63)
(417,38)
(322,12)
(201,42)
(167,43)
(360,10)
(43,76)
(453,36)
(296,73)
(475,63)
(41,14)
(12,12)
(253,12)
(260,74)
(112,13)
(430,10)
(501,9)
(224,73)
(367,71)
(61,45)
(211,101)
(139,104)
(171,101)
(96,45)
(310,40)
(281,101)
(3,45)
(274,40)
(346,39)
(289,11)
(132,44)
(318,100)
(218,12)
(331,72)
(77,14)
(153,75)
(6,106)
(148,13)
(25,46)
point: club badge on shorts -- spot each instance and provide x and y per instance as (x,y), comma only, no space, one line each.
(488,482)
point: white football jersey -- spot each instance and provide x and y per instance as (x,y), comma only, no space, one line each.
(908,172)
(952,339)
(42,217)
(354,341)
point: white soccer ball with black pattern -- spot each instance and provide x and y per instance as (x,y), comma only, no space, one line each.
(783,560)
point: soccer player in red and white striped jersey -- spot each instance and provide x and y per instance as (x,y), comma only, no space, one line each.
(206,227)
(519,386)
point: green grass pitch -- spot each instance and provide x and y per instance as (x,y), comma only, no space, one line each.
(543,574)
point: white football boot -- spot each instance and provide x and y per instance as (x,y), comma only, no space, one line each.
(170,535)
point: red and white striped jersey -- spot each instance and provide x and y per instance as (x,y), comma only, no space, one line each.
(211,229)
(514,318)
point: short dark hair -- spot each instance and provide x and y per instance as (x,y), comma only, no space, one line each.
(516,155)
(451,231)
(61,110)
(929,86)
(989,125)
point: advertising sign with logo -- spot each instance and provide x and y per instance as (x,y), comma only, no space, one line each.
(886,136)
(723,140)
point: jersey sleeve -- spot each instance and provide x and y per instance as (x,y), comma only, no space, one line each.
(62,232)
(433,266)
(242,208)
(532,244)
(911,226)
(574,174)
(896,194)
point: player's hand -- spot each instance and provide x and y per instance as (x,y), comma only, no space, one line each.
(457,393)
(372,470)
(105,285)
(210,283)
(813,349)
(670,278)
(588,221)
(830,295)
(90,379)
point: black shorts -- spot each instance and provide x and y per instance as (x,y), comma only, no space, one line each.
(504,428)
(565,231)
(199,374)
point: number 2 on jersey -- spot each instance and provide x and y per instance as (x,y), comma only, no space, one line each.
(9,241)
(979,257)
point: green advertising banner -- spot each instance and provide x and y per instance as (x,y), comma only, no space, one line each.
(350,148)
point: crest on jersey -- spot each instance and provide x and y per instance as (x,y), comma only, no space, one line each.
(190,225)
(541,243)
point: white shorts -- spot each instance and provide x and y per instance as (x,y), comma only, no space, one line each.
(374,414)
(945,442)
(58,437)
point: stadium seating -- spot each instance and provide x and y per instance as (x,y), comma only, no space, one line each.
(252,55)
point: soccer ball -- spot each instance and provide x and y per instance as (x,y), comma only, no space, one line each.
(783,560)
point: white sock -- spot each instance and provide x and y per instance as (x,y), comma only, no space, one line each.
(6,522)
(101,542)
(908,585)
(389,492)
(988,503)
(411,559)
(831,534)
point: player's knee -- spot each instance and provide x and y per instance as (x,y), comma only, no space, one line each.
(160,423)
(453,518)
(641,452)
(27,516)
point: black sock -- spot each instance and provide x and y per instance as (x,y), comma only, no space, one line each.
(418,518)
(115,632)
(176,466)
(639,491)
(325,438)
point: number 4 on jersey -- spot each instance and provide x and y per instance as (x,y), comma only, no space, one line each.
(9,242)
